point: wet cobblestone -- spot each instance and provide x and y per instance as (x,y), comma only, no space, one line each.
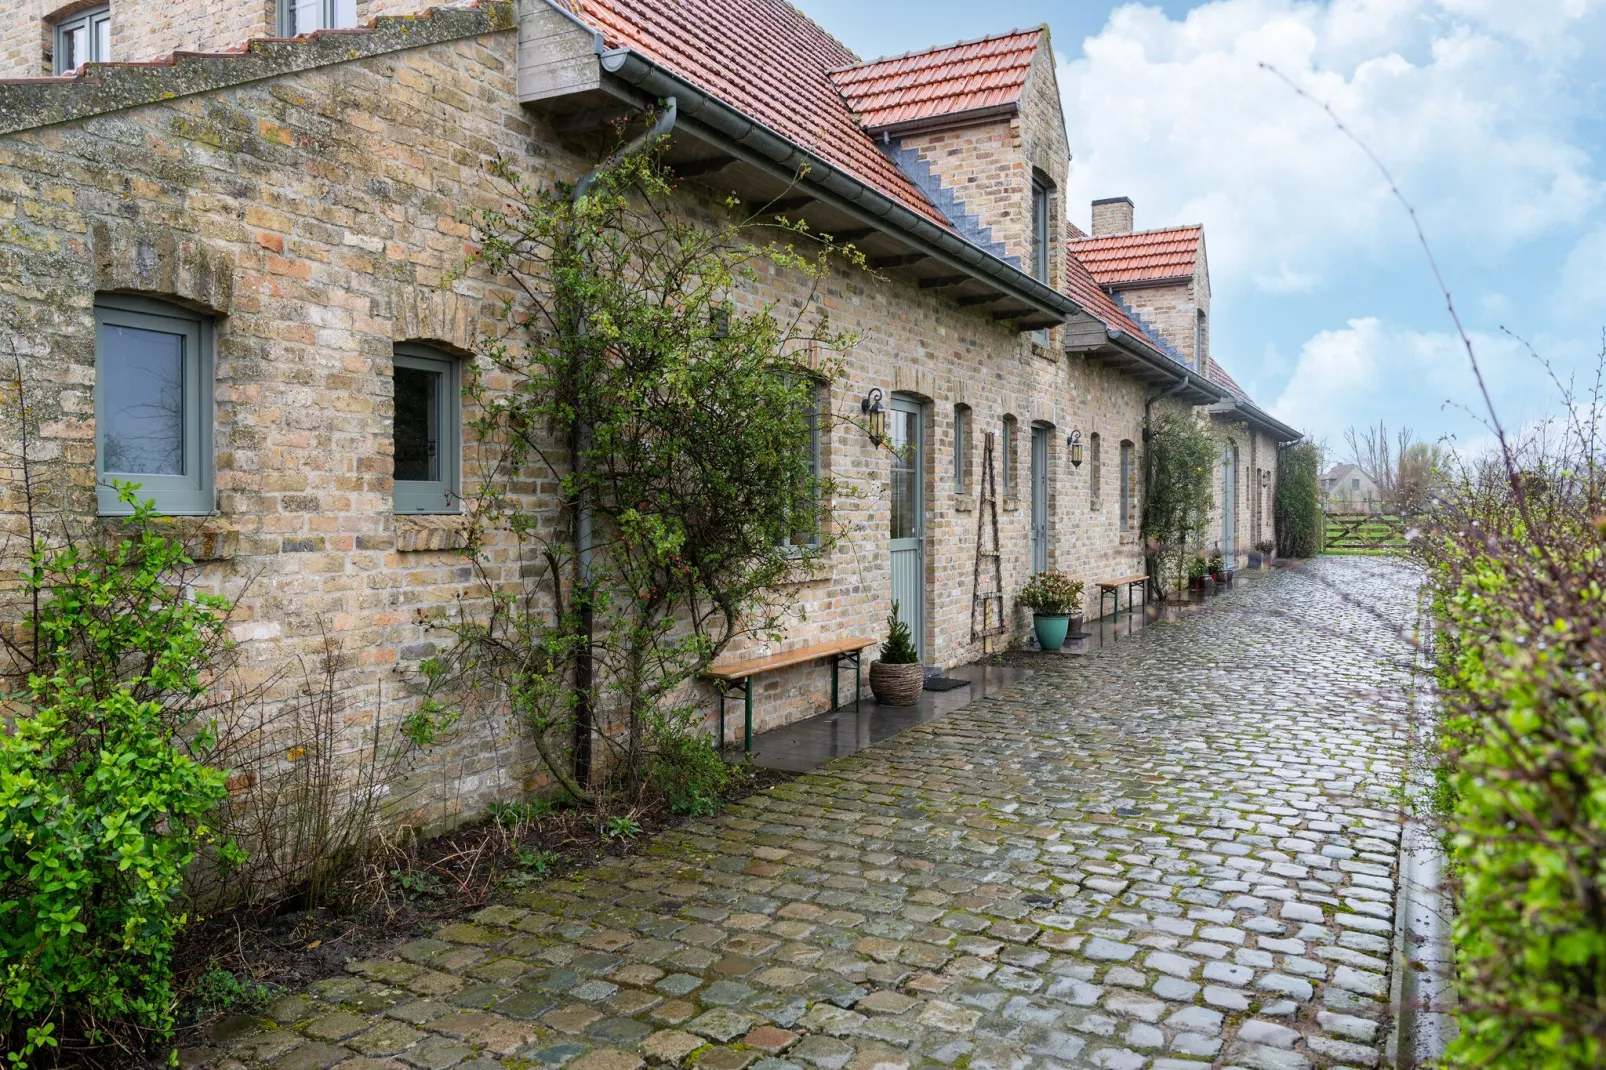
(1176,854)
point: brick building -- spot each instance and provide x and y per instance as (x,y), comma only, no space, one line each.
(227,273)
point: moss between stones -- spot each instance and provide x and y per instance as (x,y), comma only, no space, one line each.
(108,87)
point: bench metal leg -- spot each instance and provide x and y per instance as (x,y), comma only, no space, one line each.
(836,671)
(747,726)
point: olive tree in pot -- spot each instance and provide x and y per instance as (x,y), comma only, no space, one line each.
(898,677)
(1053,598)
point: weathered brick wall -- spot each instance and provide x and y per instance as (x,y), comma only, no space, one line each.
(24,38)
(147,29)
(315,215)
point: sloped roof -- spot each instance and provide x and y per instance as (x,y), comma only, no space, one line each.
(1085,291)
(767,60)
(969,76)
(1145,256)
(1218,375)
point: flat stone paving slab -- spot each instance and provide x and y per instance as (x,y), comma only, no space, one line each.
(1179,850)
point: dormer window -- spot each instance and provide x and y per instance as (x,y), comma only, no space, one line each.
(297,17)
(83,38)
(1040,234)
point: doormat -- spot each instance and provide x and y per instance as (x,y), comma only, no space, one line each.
(945,683)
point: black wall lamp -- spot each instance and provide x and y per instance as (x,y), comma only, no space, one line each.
(876,415)
(1074,441)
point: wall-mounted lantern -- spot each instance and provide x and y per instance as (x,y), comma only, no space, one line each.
(1265,478)
(875,415)
(1074,441)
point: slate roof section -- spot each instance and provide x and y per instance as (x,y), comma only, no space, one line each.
(1218,375)
(767,60)
(982,75)
(1144,256)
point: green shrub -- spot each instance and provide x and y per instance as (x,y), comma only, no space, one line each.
(1297,503)
(899,649)
(1053,594)
(219,991)
(101,804)
(1179,462)
(689,772)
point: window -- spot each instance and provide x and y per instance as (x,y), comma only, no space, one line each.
(83,38)
(1008,460)
(961,448)
(1355,484)
(1040,221)
(305,16)
(1125,489)
(425,431)
(807,530)
(153,404)
(1095,474)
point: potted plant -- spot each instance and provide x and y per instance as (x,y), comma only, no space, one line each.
(1265,550)
(1218,567)
(1052,597)
(1197,570)
(897,678)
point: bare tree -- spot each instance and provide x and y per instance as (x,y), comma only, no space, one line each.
(1379,458)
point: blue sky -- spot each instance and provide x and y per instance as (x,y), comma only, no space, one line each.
(1490,113)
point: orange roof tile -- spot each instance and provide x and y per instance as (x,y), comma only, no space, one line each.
(1085,291)
(767,60)
(965,77)
(1146,256)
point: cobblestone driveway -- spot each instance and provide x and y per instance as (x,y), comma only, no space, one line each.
(1175,854)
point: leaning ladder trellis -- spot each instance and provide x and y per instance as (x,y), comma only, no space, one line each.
(987,606)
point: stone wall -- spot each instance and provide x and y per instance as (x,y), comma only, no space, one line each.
(315,214)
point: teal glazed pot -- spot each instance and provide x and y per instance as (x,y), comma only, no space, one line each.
(1051,630)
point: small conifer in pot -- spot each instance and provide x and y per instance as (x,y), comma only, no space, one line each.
(897,677)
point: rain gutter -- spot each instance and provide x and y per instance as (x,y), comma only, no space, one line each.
(629,75)
(1163,364)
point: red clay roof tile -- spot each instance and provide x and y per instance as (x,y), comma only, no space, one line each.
(767,60)
(1085,291)
(964,77)
(1146,256)
(1218,375)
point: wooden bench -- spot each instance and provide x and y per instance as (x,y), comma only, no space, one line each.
(1113,587)
(730,675)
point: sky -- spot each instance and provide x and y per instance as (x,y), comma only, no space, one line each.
(1489,114)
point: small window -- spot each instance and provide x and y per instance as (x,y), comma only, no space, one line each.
(1355,484)
(1200,337)
(307,16)
(1008,462)
(806,531)
(82,38)
(1125,490)
(1095,470)
(1040,228)
(153,404)
(961,448)
(425,430)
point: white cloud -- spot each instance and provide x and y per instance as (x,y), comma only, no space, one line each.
(1472,103)
(1368,371)
(1582,291)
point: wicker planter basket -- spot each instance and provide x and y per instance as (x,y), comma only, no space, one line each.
(897,685)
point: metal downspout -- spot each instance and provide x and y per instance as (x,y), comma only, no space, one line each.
(585,668)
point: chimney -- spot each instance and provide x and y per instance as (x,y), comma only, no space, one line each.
(1112,215)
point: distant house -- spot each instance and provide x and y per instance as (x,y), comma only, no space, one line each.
(1348,489)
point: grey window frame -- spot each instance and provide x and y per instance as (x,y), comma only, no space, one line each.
(1095,480)
(819,396)
(444,496)
(962,415)
(1127,452)
(1011,433)
(286,17)
(189,494)
(91,20)
(1042,194)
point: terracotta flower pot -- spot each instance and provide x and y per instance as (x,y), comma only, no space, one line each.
(897,685)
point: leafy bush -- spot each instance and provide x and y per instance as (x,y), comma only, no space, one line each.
(1518,571)
(899,649)
(102,805)
(1052,594)
(219,991)
(1179,461)
(1297,503)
